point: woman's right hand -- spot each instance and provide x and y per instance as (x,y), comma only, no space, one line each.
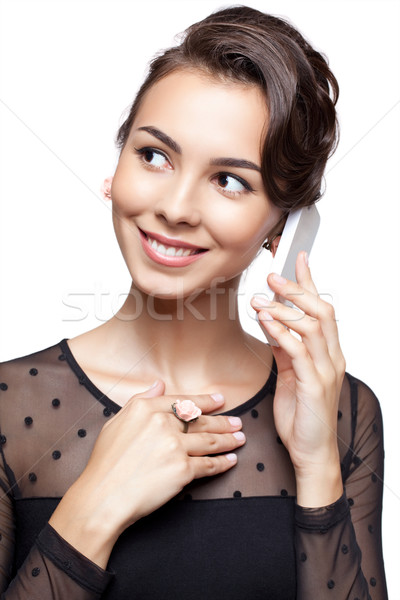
(142,459)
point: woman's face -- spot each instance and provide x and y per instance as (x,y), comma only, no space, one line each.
(189,207)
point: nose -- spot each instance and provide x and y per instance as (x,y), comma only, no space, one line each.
(178,203)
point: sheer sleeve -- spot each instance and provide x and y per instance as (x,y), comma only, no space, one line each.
(338,547)
(53,569)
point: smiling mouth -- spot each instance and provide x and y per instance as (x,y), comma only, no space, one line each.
(167,250)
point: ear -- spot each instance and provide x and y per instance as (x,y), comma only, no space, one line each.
(274,245)
(105,189)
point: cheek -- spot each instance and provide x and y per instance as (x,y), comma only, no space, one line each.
(130,193)
(244,228)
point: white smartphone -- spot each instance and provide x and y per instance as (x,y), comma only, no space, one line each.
(299,234)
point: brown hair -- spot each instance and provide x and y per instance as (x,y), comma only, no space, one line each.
(245,45)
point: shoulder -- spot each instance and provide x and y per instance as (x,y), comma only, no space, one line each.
(30,371)
(41,354)
(360,427)
(360,399)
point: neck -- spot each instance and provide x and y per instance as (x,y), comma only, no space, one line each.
(184,342)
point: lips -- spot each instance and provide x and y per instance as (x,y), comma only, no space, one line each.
(170,242)
(169,251)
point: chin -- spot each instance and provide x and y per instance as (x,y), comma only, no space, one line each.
(164,290)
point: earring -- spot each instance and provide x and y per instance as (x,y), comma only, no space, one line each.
(268,244)
(105,189)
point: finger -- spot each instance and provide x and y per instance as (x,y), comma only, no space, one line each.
(309,329)
(302,363)
(303,273)
(313,305)
(206,466)
(200,444)
(325,310)
(208,403)
(290,290)
(215,424)
(156,389)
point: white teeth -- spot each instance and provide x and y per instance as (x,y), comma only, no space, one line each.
(169,250)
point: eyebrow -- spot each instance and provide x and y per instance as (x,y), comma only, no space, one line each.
(163,137)
(235,162)
(222,161)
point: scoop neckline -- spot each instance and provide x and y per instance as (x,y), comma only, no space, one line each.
(268,387)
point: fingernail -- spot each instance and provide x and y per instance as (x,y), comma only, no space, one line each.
(306,258)
(153,385)
(235,421)
(231,457)
(265,316)
(279,279)
(217,397)
(261,301)
(239,435)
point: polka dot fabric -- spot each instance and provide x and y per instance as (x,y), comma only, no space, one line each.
(241,532)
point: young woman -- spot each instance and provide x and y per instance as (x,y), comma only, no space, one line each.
(274,490)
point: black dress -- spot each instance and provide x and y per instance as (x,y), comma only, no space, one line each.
(237,535)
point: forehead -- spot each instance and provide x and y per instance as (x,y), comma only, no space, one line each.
(189,105)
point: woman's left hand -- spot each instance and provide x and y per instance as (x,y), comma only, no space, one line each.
(310,376)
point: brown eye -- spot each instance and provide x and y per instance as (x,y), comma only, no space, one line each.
(153,158)
(148,155)
(223,180)
(231,184)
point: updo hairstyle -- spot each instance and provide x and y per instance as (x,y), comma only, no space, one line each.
(241,44)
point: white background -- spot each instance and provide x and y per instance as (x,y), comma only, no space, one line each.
(68,71)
